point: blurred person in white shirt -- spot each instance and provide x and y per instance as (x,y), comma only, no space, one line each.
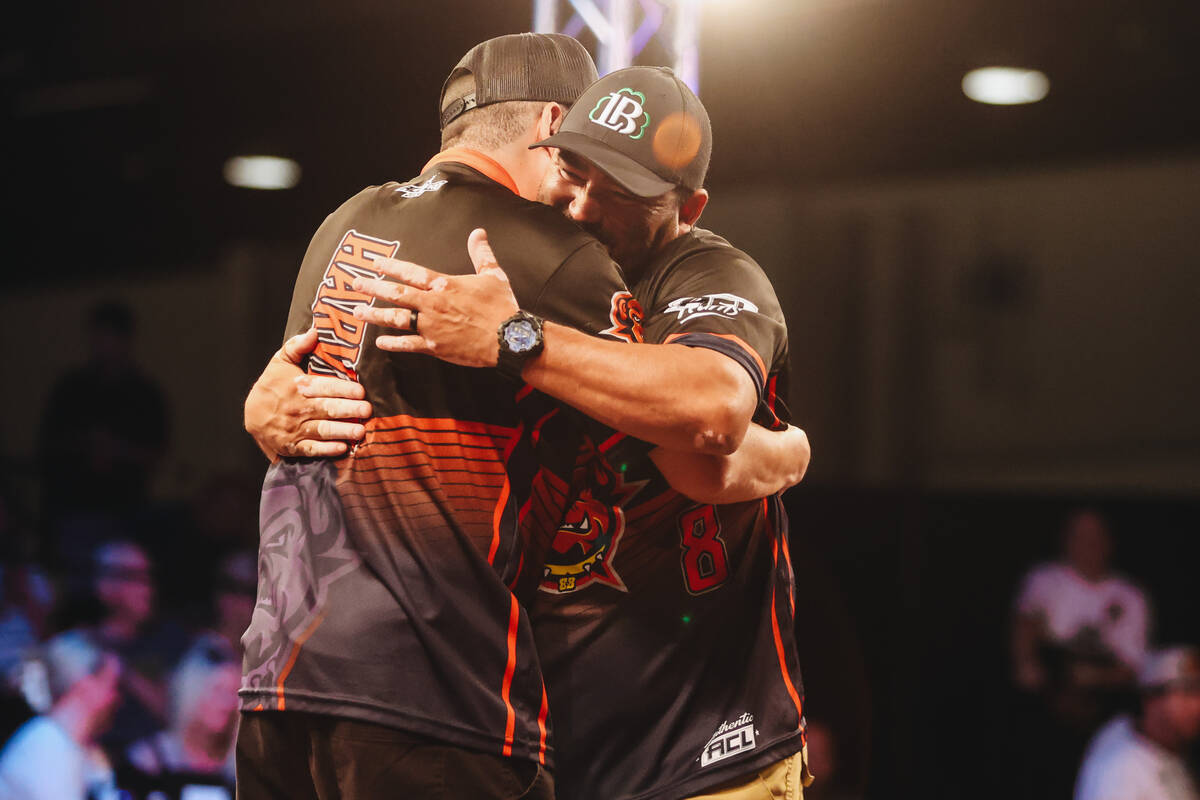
(1080,626)
(1142,757)
(55,755)
(1079,637)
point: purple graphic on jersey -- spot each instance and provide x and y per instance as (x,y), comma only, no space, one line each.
(303,549)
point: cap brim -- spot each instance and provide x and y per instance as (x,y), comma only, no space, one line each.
(613,163)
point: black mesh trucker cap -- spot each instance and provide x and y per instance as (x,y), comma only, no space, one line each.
(520,66)
(643,127)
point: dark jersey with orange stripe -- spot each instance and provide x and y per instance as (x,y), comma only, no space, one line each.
(384,577)
(666,627)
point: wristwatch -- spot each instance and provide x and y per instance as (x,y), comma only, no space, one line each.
(520,339)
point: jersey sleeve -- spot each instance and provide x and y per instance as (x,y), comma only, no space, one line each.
(721,300)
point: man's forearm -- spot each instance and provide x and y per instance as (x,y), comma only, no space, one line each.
(671,395)
(261,406)
(766,463)
(1026,636)
(683,398)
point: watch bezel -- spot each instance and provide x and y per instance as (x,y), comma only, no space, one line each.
(510,362)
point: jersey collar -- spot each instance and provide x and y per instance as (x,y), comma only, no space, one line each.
(476,161)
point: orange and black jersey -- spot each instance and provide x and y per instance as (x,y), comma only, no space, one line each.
(702,291)
(384,588)
(691,605)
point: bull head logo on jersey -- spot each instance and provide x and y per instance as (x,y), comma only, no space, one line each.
(584,547)
(580,550)
(622,111)
(626,316)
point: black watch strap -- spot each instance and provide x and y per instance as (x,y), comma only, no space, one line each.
(520,338)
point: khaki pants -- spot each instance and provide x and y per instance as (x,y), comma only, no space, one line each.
(783,780)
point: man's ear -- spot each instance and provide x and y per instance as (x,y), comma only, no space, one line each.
(692,208)
(550,121)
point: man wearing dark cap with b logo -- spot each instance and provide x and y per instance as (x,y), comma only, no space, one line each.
(665,626)
(703,630)
(388,655)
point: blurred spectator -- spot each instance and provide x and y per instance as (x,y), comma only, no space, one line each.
(26,598)
(15,711)
(1142,757)
(17,538)
(191,544)
(54,756)
(1078,639)
(26,595)
(196,749)
(148,647)
(226,512)
(1079,625)
(234,598)
(103,430)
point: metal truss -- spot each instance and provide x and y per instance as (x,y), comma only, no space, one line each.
(627,32)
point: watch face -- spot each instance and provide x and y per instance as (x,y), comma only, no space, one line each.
(520,336)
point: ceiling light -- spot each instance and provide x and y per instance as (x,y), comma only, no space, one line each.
(1005,86)
(262,172)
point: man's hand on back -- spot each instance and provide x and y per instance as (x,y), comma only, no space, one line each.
(290,413)
(457,316)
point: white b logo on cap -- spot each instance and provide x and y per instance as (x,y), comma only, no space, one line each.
(622,111)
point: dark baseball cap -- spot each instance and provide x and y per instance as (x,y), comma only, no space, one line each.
(643,127)
(545,67)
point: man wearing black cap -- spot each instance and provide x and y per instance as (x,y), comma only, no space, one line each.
(388,621)
(387,655)
(692,605)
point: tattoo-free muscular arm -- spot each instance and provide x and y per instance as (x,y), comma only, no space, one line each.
(674,396)
(766,463)
(679,397)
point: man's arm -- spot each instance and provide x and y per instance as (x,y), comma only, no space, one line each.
(675,396)
(290,413)
(684,398)
(766,463)
(287,415)
(1026,636)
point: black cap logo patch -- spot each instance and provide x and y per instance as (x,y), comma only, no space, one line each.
(622,111)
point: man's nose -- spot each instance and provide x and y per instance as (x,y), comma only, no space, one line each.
(583,207)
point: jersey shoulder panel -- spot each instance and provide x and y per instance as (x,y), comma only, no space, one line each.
(702,264)
(703,292)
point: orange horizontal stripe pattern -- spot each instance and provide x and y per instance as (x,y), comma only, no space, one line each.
(413,463)
(437,424)
(428,473)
